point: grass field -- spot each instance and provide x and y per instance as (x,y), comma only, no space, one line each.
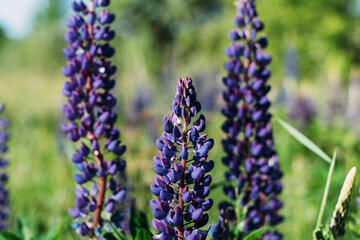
(41,181)
(326,47)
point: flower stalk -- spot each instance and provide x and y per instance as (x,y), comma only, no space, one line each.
(90,116)
(182,186)
(253,169)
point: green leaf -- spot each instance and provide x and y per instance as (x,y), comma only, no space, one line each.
(118,233)
(354,224)
(19,227)
(326,191)
(134,219)
(323,233)
(255,234)
(304,140)
(318,234)
(54,232)
(24,230)
(143,223)
(8,236)
(109,236)
(137,222)
(143,234)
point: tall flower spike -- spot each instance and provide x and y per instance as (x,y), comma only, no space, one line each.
(4,193)
(337,225)
(91,116)
(250,154)
(182,186)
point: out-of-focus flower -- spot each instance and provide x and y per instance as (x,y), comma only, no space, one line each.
(301,110)
(4,193)
(253,166)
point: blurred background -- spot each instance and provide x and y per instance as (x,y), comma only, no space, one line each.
(315,86)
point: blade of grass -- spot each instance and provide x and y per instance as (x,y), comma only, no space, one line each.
(326,191)
(304,140)
(256,234)
(8,236)
(117,232)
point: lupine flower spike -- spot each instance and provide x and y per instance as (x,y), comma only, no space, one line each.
(249,146)
(182,186)
(337,225)
(4,193)
(91,118)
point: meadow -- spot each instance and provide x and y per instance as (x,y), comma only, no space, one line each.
(315,57)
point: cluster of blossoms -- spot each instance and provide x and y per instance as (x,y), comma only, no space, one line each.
(182,186)
(4,193)
(249,147)
(91,118)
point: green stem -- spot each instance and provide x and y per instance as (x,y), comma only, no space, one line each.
(326,191)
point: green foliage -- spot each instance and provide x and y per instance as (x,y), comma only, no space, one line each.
(143,234)
(54,232)
(322,233)
(316,131)
(109,236)
(116,233)
(8,236)
(301,138)
(155,47)
(138,226)
(326,191)
(354,225)
(138,223)
(256,234)
(319,233)
(24,231)
(53,12)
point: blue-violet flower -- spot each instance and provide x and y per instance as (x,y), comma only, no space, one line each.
(91,118)
(251,158)
(182,186)
(4,193)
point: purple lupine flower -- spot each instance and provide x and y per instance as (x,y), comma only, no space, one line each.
(182,186)
(91,118)
(301,110)
(4,193)
(220,230)
(249,146)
